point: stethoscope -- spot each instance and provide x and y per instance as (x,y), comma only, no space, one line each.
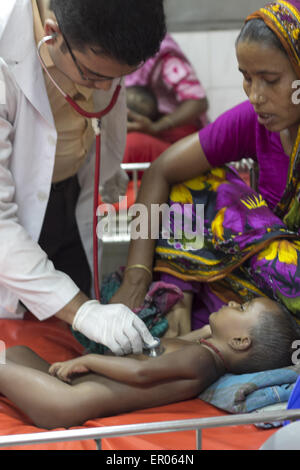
(96,122)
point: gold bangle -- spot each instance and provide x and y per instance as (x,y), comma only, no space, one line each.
(139,266)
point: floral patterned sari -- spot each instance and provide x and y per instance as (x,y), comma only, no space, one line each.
(248,250)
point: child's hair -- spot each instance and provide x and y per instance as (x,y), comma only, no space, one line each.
(130,31)
(142,101)
(272,340)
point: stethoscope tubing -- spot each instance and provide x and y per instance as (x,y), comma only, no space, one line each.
(96,117)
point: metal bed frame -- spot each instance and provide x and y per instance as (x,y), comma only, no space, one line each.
(134,168)
(122,237)
(197,425)
(245,164)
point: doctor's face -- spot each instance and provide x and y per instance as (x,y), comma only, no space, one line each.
(90,68)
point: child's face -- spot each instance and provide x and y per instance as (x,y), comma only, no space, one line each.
(237,319)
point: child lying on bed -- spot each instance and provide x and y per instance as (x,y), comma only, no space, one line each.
(239,338)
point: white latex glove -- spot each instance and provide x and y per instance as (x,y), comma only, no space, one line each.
(114,187)
(114,326)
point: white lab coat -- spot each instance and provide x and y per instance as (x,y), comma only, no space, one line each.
(27,151)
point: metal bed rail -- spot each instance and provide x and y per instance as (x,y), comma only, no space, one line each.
(246,164)
(197,425)
(121,218)
(134,168)
(122,235)
(99,433)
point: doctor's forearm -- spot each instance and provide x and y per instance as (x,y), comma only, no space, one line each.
(68,313)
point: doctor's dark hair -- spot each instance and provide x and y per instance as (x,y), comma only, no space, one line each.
(129,31)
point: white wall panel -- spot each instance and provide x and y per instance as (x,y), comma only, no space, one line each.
(203,15)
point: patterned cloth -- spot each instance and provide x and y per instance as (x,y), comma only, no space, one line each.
(283,18)
(159,300)
(247,250)
(171,78)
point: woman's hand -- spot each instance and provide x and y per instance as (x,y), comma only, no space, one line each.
(131,295)
(65,370)
(133,289)
(139,123)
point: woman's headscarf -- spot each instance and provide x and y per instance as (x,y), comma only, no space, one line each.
(248,249)
(283,18)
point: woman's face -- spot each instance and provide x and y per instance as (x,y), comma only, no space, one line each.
(268,79)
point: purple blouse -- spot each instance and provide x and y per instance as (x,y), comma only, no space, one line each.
(237,134)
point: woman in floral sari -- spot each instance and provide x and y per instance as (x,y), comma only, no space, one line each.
(251,239)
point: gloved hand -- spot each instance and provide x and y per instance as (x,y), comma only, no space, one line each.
(114,326)
(114,187)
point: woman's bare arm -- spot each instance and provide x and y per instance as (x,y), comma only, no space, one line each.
(185,113)
(183,161)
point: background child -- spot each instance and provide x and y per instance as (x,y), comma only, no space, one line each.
(141,100)
(240,338)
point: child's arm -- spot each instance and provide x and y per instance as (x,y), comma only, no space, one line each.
(187,363)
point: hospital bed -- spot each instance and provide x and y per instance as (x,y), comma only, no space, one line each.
(98,434)
(188,425)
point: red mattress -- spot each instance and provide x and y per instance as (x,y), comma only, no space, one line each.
(53,341)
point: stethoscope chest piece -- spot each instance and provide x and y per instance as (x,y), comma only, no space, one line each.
(154,350)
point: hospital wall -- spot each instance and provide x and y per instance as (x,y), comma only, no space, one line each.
(213,55)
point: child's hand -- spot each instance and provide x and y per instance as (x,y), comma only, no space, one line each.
(65,370)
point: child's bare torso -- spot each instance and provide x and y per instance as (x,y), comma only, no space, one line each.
(168,345)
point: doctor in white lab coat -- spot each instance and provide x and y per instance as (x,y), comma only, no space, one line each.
(29,140)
